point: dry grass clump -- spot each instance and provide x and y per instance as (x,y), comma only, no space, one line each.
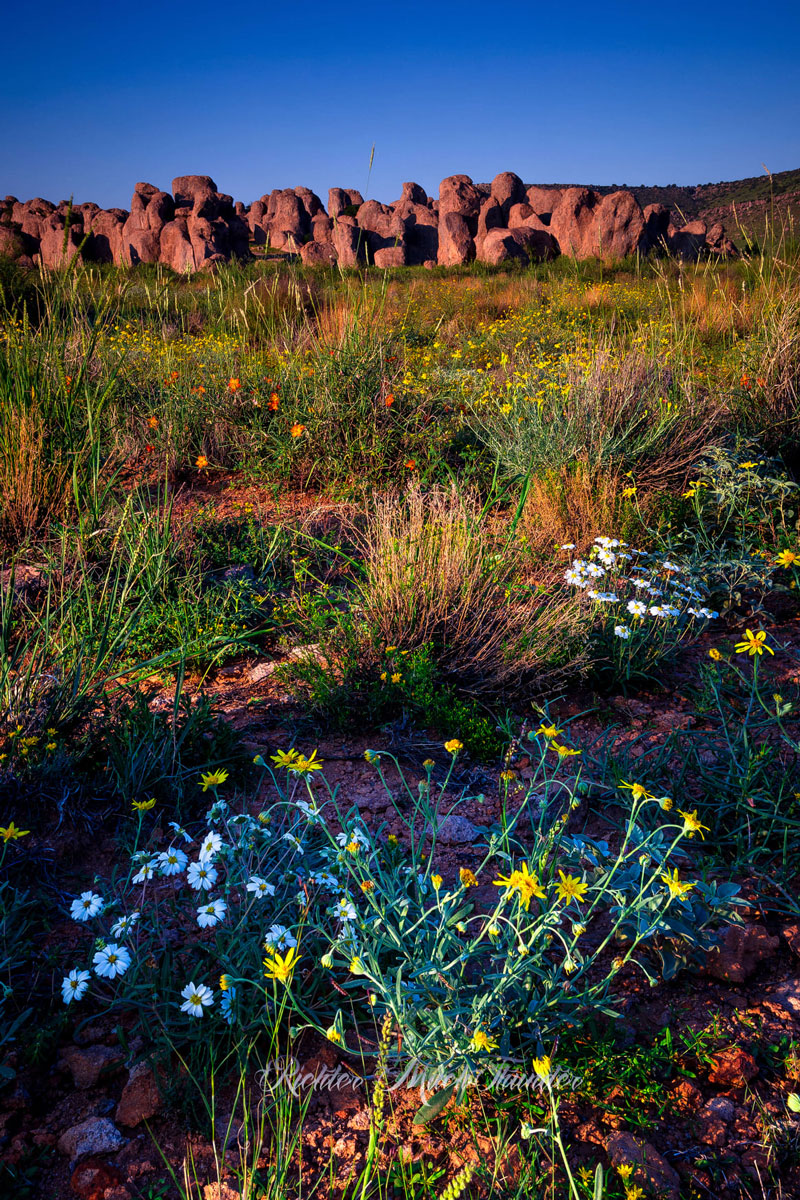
(433,576)
(572,503)
(34,484)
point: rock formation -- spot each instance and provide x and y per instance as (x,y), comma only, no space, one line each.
(196,226)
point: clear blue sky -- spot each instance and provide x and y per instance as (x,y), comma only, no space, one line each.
(96,97)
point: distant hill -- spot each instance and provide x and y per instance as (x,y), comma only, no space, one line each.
(740,204)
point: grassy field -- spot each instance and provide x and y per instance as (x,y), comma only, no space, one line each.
(400,672)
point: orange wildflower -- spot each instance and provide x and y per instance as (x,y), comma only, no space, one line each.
(234,385)
(152,422)
(410,465)
(297,430)
(201,462)
(389,401)
(274,402)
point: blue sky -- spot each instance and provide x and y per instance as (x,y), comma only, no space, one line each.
(94,98)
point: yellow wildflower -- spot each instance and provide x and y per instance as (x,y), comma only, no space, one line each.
(753,643)
(675,885)
(571,887)
(482,1041)
(691,823)
(212,779)
(146,805)
(280,966)
(10,833)
(467,878)
(453,746)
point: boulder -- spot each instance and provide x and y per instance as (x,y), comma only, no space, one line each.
(619,225)
(59,242)
(106,241)
(543,200)
(391,256)
(140,1099)
(341,198)
(318,254)
(12,244)
(321,228)
(458,194)
(176,247)
(310,202)
(348,242)
(186,187)
(139,246)
(507,189)
(490,217)
(572,222)
(689,242)
(413,193)
(456,243)
(718,242)
(87,1063)
(287,220)
(518,214)
(656,227)
(95,1135)
(523,243)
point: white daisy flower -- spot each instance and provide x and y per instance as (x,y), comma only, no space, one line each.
(344,909)
(74,985)
(568,546)
(172,861)
(88,904)
(209,915)
(226,1004)
(260,888)
(125,924)
(278,937)
(327,880)
(294,842)
(210,845)
(595,571)
(709,613)
(196,998)
(607,597)
(575,578)
(657,610)
(145,871)
(201,876)
(637,608)
(622,631)
(668,566)
(356,835)
(111,961)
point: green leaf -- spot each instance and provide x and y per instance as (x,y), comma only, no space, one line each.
(431,1108)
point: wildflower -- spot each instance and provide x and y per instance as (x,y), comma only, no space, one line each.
(637,791)
(144,805)
(787,558)
(637,608)
(389,401)
(89,904)
(212,844)
(274,402)
(259,887)
(211,914)
(523,883)
(280,966)
(152,422)
(367,886)
(10,833)
(172,861)
(542,1067)
(622,631)
(111,961)
(625,1170)
(715,654)
(568,546)
(410,464)
(549,731)
(234,385)
(676,887)
(226,1001)
(297,430)
(356,966)
(665,802)
(124,925)
(748,466)
(467,878)
(285,758)
(278,937)
(453,746)
(691,823)
(201,462)
(304,766)
(212,779)
(333,1035)
(371,756)
(344,909)
(196,997)
(628,492)
(392,839)
(179,830)
(436,881)
(570,888)
(397,677)
(635,1193)
(146,870)
(564,751)
(482,1041)
(326,961)
(74,985)
(201,876)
